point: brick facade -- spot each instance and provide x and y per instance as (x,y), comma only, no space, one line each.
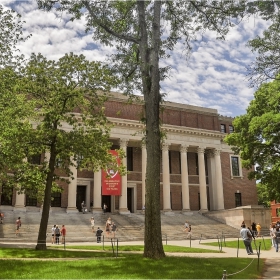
(184,124)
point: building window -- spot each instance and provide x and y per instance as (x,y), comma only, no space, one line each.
(79,159)
(223,128)
(235,166)
(30,201)
(129,158)
(238,201)
(231,129)
(56,199)
(6,196)
(35,159)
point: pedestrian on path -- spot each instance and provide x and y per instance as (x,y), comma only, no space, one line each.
(92,224)
(258,226)
(57,234)
(83,206)
(247,239)
(104,208)
(1,217)
(186,226)
(63,234)
(277,238)
(98,235)
(18,225)
(114,229)
(53,233)
(108,227)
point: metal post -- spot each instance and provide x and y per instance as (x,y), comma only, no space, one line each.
(259,255)
(219,242)
(263,243)
(200,238)
(103,242)
(112,246)
(237,247)
(117,247)
(190,240)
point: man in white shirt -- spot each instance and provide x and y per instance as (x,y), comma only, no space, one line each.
(247,239)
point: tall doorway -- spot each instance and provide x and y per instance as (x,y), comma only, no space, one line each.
(107,200)
(81,196)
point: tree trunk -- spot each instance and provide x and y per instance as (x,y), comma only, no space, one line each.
(42,236)
(153,247)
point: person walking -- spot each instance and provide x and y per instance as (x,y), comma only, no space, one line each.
(254,229)
(98,235)
(258,226)
(1,218)
(108,227)
(92,224)
(247,239)
(57,234)
(114,229)
(53,234)
(63,234)
(186,226)
(18,225)
(277,238)
(104,208)
(83,206)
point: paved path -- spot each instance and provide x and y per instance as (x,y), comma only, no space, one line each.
(272,258)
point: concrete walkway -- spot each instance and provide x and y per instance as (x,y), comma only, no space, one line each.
(272,258)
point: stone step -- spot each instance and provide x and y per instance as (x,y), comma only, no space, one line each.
(130,227)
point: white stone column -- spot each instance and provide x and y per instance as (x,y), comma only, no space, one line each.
(72,190)
(202,179)
(144,166)
(123,198)
(166,178)
(185,178)
(97,207)
(211,180)
(219,181)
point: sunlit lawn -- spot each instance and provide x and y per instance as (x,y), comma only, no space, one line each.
(264,243)
(80,264)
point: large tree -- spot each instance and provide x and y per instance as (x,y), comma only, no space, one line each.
(10,35)
(144,32)
(257,137)
(267,47)
(55,108)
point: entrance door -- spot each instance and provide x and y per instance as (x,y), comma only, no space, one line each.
(81,196)
(107,200)
(130,199)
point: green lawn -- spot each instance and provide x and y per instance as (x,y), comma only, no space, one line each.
(86,264)
(265,244)
(140,248)
(126,266)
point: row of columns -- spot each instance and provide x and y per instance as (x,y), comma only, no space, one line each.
(215,181)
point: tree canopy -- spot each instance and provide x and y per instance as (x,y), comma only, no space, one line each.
(53,108)
(257,137)
(10,35)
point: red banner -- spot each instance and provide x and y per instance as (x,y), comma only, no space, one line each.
(111,179)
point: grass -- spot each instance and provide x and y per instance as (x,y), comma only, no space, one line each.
(140,248)
(265,244)
(101,265)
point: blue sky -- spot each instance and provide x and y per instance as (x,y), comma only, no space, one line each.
(213,75)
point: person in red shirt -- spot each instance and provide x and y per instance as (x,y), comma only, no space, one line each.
(63,234)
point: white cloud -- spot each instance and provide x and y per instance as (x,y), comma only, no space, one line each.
(213,75)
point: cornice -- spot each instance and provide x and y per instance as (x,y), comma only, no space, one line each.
(130,124)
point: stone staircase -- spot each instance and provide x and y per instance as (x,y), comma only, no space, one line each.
(130,227)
